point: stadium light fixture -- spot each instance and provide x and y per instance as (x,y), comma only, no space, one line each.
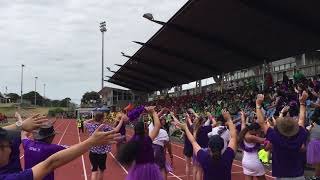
(149,16)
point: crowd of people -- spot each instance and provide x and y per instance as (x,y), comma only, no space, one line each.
(280,123)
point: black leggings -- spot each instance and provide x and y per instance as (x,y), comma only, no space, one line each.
(97,161)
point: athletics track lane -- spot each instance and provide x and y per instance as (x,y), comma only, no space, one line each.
(80,168)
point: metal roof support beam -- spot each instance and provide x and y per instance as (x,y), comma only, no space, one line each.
(215,41)
(181,56)
(136,81)
(160,66)
(124,84)
(153,75)
(140,76)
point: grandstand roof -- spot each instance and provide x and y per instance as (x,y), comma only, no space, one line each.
(207,37)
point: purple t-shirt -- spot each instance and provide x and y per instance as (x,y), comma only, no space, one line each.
(202,136)
(216,170)
(91,127)
(287,159)
(14,165)
(187,143)
(36,152)
(23,175)
(146,153)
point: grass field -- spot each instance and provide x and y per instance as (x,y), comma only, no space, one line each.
(10,109)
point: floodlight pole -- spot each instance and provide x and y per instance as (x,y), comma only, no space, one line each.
(102,29)
(35,90)
(22,66)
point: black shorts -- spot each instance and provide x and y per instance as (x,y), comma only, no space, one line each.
(188,152)
(97,161)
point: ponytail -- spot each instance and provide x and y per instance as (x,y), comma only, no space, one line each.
(216,144)
(216,155)
(242,134)
(197,126)
(128,152)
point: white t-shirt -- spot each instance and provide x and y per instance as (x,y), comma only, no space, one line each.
(225,136)
(161,138)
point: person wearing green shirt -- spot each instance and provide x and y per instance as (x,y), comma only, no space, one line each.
(298,76)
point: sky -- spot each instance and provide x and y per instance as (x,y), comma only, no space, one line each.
(60,42)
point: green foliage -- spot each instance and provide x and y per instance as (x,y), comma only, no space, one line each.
(65,102)
(176,133)
(13,97)
(91,98)
(55,112)
(30,97)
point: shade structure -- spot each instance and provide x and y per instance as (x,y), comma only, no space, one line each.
(208,37)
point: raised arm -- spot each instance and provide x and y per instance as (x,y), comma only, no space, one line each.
(261,121)
(188,119)
(302,113)
(18,116)
(29,124)
(194,113)
(254,139)
(233,132)
(192,140)
(284,111)
(243,120)
(88,121)
(175,119)
(123,118)
(163,111)
(65,156)
(156,122)
(214,122)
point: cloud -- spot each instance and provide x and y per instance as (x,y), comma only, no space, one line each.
(60,41)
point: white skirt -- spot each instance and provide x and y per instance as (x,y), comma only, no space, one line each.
(251,164)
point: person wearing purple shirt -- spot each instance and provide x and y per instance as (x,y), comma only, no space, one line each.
(139,153)
(200,132)
(216,165)
(187,149)
(39,149)
(122,131)
(288,139)
(14,164)
(39,171)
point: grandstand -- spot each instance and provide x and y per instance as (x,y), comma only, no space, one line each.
(252,39)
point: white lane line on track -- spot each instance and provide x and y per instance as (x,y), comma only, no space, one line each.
(82,159)
(64,133)
(55,128)
(124,169)
(175,176)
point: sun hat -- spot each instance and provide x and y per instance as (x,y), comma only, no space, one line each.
(287,126)
(44,132)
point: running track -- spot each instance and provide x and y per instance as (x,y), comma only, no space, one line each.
(80,167)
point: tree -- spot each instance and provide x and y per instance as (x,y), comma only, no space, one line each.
(91,98)
(55,103)
(13,97)
(65,102)
(30,97)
